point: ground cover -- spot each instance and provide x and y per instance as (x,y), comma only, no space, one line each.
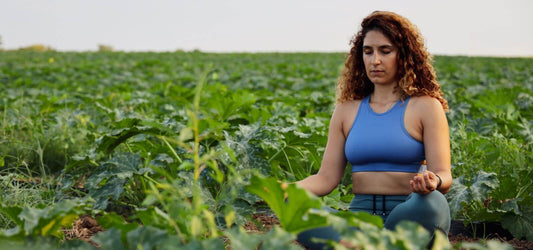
(161,148)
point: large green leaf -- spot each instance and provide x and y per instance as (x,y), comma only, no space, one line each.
(125,129)
(463,193)
(519,225)
(43,220)
(293,211)
(458,195)
(108,180)
(49,220)
(482,184)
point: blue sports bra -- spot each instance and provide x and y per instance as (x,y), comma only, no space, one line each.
(380,142)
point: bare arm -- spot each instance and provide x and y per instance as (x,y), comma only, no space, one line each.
(333,162)
(437,147)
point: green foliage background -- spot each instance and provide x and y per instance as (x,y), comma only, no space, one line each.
(160,138)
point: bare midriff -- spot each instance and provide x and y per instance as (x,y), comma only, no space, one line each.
(384,183)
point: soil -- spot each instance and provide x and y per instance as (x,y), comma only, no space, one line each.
(85,227)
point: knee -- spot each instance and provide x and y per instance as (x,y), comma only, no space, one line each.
(431,210)
(434,201)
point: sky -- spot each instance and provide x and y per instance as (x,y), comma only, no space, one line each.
(453,27)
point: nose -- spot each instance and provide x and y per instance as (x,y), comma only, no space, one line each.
(376,59)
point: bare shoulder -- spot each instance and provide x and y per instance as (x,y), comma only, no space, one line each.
(345,114)
(348,106)
(346,110)
(426,105)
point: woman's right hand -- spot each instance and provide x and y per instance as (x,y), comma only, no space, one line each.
(424,183)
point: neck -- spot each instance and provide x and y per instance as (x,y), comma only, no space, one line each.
(384,94)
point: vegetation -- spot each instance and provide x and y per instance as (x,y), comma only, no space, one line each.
(37,48)
(173,150)
(105,48)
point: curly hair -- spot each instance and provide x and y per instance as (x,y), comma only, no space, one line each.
(415,71)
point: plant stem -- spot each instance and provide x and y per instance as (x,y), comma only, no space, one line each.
(197,202)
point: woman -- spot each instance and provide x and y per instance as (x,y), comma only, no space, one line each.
(389,119)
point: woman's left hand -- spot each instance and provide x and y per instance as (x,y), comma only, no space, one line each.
(424,184)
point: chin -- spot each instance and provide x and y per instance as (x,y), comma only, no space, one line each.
(381,81)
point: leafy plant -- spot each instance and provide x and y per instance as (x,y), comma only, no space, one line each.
(42,220)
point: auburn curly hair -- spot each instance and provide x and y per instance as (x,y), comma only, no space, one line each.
(415,71)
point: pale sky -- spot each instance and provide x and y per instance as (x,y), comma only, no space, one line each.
(465,27)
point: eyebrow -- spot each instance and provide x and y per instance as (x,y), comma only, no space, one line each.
(388,46)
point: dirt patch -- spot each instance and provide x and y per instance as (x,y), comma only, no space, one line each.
(261,223)
(84,228)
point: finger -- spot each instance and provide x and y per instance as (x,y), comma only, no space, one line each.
(417,185)
(427,182)
(426,176)
(430,180)
(423,186)
(421,183)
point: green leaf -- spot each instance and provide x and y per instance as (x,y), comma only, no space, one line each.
(155,217)
(109,239)
(511,205)
(74,244)
(482,184)
(241,240)
(406,235)
(358,218)
(146,237)
(461,193)
(458,195)
(43,220)
(440,241)
(127,128)
(519,225)
(116,222)
(79,161)
(12,213)
(113,220)
(109,178)
(489,245)
(276,238)
(411,235)
(293,213)
(207,244)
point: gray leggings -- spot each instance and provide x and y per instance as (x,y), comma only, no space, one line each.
(431,211)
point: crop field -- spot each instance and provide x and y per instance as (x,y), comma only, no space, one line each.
(180,150)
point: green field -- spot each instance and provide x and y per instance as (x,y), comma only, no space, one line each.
(167,150)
